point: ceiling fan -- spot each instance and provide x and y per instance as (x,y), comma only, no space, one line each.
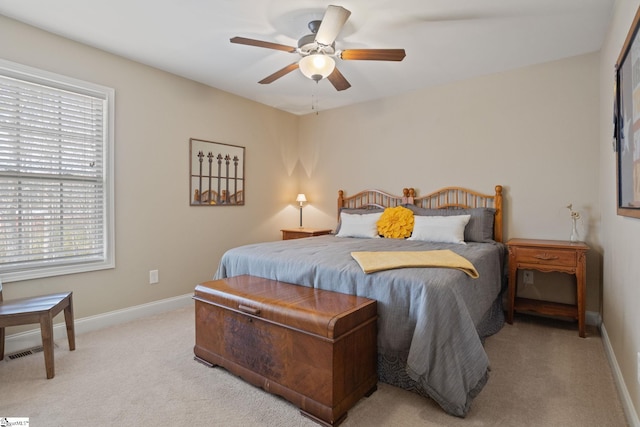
(317,50)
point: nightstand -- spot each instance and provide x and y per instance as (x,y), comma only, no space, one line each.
(299,233)
(548,256)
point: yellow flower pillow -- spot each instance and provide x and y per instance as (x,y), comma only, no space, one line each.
(396,223)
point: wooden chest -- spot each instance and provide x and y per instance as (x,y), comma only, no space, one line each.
(315,348)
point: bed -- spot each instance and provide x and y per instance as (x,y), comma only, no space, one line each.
(432,320)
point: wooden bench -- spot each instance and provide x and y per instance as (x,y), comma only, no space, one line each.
(315,348)
(40,309)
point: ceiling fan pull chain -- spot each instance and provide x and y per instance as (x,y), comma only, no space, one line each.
(314,98)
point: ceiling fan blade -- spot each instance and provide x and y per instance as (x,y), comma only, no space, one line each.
(338,81)
(332,22)
(373,54)
(282,72)
(260,43)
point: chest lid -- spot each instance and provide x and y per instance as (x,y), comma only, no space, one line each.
(319,312)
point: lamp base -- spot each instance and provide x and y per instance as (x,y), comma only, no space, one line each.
(300,216)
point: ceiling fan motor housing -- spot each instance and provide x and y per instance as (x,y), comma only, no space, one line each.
(307,45)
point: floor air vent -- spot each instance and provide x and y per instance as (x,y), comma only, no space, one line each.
(24,353)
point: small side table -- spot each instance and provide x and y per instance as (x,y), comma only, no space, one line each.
(299,233)
(547,256)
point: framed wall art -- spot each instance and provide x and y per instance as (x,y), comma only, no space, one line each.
(216,173)
(627,124)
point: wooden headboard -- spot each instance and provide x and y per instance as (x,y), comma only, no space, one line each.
(445,198)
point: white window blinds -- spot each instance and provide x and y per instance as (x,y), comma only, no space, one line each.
(55,175)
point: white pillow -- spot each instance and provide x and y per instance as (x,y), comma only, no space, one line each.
(444,229)
(359,225)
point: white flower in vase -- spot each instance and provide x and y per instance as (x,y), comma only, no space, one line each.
(575,216)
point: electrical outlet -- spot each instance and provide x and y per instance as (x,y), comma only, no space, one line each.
(527,277)
(153,277)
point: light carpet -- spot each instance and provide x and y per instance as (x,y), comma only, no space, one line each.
(142,373)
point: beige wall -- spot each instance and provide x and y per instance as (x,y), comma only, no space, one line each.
(533,130)
(156,114)
(620,235)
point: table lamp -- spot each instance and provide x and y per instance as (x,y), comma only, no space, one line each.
(301,199)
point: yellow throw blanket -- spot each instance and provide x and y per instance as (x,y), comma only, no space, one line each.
(371,262)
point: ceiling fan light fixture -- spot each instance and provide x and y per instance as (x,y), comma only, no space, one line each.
(317,66)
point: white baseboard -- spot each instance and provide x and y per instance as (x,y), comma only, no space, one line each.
(593,318)
(627,403)
(32,338)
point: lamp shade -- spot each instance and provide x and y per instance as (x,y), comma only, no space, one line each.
(317,66)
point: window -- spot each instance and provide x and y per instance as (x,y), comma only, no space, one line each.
(56,174)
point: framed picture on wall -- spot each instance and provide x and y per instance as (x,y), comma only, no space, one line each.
(627,123)
(216,173)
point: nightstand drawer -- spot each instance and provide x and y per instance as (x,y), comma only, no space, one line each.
(295,235)
(565,258)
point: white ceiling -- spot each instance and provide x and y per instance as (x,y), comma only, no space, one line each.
(445,40)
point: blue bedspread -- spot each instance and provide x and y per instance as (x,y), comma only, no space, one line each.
(431,321)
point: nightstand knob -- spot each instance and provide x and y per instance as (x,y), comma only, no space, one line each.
(546,257)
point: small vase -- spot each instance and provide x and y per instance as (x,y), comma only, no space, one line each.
(574,232)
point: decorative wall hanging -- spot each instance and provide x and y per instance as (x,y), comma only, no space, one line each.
(627,124)
(217,173)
